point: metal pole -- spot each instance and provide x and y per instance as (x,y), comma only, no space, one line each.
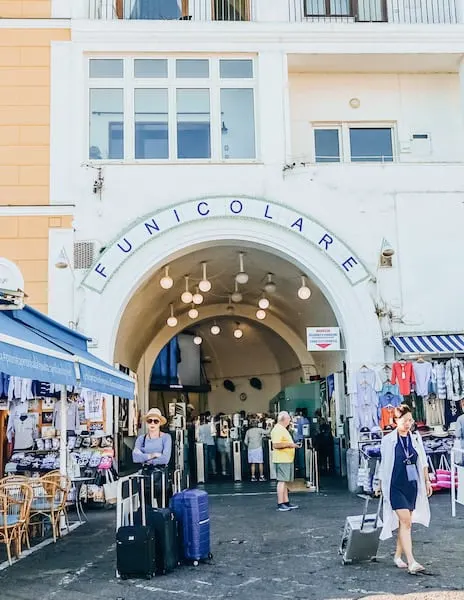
(453,483)
(63,443)
(64,427)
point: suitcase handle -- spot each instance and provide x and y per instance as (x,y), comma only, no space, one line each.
(366,505)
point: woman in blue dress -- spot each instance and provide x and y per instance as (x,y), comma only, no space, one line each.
(405,486)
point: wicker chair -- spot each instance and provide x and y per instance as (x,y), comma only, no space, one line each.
(50,494)
(15,505)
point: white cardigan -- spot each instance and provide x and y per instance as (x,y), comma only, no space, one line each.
(422,513)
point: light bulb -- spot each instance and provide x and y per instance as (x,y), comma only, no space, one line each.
(263,303)
(241,277)
(304,292)
(236,297)
(260,314)
(197,298)
(166,282)
(193,313)
(197,340)
(238,333)
(172,322)
(186,296)
(215,330)
(270,286)
(204,285)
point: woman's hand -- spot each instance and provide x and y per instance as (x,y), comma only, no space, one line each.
(428,487)
(155,455)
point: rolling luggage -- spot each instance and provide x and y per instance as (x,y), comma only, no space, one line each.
(360,539)
(192,511)
(135,545)
(165,529)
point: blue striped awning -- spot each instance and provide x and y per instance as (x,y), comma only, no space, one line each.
(429,344)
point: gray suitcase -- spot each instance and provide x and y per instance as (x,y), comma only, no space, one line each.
(360,539)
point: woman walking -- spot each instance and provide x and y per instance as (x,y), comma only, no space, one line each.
(405,486)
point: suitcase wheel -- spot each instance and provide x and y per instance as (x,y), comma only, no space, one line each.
(148,575)
(196,563)
(210,556)
(123,576)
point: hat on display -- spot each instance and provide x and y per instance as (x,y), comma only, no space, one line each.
(439,431)
(155,412)
(376,433)
(388,428)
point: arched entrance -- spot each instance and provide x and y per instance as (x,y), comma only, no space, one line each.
(138,254)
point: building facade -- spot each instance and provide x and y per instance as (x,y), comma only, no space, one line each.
(322,139)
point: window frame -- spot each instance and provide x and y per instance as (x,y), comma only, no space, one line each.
(214,83)
(345,144)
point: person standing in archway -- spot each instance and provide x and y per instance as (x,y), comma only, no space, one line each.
(405,485)
(283,456)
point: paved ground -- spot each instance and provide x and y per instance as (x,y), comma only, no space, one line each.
(259,554)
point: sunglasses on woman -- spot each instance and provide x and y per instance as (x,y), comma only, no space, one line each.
(156,421)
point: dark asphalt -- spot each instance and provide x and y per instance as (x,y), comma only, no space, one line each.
(259,554)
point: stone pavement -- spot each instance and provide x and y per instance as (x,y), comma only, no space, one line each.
(259,554)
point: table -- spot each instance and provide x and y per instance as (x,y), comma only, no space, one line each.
(78,483)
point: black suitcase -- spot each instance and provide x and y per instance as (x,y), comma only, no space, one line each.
(135,546)
(165,529)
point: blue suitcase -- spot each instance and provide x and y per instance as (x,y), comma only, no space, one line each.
(191,509)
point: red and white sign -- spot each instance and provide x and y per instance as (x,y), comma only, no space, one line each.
(322,338)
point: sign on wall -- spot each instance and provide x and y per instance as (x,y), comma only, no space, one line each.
(322,338)
(165,220)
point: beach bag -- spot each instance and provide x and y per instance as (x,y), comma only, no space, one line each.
(110,488)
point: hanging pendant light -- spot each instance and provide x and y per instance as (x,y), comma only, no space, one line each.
(186,296)
(205,284)
(304,292)
(197,298)
(166,282)
(197,340)
(270,286)
(230,306)
(172,320)
(238,333)
(263,302)
(193,313)
(260,314)
(241,276)
(236,296)
(215,329)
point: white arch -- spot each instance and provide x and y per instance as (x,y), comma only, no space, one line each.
(352,304)
(217,310)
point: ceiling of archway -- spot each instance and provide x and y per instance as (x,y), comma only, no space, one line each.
(148,309)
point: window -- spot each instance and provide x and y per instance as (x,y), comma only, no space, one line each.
(106,67)
(106,124)
(148,68)
(193,124)
(151,123)
(351,142)
(238,123)
(161,10)
(327,8)
(171,109)
(371,144)
(327,145)
(230,10)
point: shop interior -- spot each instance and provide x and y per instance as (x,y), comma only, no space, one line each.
(218,337)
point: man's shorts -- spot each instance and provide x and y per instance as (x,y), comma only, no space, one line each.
(285,472)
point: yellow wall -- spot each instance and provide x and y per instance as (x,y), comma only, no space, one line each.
(24,240)
(25,9)
(25,112)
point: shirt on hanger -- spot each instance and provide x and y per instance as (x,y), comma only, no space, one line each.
(25,428)
(72,417)
(422,375)
(403,374)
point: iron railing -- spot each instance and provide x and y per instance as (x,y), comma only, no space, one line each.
(374,11)
(169,10)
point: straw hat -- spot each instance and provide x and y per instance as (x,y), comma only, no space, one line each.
(155,412)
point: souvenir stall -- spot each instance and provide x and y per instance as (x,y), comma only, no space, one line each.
(58,398)
(428,375)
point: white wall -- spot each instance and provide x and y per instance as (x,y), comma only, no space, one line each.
(414,103)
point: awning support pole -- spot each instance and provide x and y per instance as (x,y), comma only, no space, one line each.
(63,440)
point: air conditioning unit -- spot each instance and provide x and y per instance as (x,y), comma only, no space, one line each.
(84,254)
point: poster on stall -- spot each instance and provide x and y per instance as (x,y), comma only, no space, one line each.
(322,339)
